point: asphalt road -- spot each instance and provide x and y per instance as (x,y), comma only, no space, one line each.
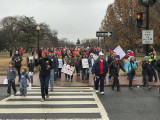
(136,104)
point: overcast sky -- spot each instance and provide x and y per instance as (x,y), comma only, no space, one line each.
(72,19)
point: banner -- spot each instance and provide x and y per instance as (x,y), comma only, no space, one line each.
(5,81)
(60,63)
(119,52)
(85,63)
(67,69)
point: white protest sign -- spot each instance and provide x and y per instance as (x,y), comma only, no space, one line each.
(5,81)
(95,56)
(119,52)
(60,63)
(70,70)
(64,68)
(30,85)
(85,63)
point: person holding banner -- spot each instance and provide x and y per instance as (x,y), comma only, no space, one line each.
(70,61)
(99,71)
(84,63)
(114,71)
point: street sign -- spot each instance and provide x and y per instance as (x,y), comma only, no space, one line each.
(147,37)
(104,34)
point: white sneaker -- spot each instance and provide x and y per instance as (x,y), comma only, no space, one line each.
(42,100)
(102,93)
(96,91)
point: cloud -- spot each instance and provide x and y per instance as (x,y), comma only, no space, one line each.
(73,19)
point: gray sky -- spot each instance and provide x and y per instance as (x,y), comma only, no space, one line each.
(72,19)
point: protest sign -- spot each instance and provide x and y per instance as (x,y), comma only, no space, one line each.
(119,52)
(85,63)
(60,63)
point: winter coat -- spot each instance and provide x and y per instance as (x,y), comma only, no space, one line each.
(44,71)
(70,62)
(15,58)
(54,63)
(147,68)
(129,67)
(11,74)
(96,68)
(115,68)
(31,67)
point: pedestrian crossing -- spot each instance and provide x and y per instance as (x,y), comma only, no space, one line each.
(65,103)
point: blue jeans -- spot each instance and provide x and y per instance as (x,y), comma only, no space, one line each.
(44,85)
(52,79)
(77,70)
(85,73)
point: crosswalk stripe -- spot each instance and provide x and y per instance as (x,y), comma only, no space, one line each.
(50,110)
(64,100)
(28,97)
(46,102)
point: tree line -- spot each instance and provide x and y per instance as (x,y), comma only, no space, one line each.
(20,31)
(120,18)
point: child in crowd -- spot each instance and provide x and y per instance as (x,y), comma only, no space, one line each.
(31,69)
(11,76)
(23,81)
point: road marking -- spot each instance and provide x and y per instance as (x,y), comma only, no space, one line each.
(78,92)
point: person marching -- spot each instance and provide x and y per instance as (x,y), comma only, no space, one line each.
(11,76)
(53,70)
(130,69)
(46,65)
(114,71)
(59,56)
(146,72)
(23,81)
(17,59)
(99,71)
(70,61)
(84,70)
(31,69)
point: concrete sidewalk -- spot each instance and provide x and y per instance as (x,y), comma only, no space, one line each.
(77,81)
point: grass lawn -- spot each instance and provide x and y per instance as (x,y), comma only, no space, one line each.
(5,59)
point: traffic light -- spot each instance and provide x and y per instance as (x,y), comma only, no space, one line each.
(139,19)
(147,2)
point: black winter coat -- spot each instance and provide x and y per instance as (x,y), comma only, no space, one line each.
(15,58)
(43,63)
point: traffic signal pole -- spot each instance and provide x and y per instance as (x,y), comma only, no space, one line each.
(147,27)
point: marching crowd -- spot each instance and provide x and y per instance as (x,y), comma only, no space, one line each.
(86,61)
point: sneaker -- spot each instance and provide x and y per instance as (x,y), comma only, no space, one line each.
(15,94)
(102,93)
(131,88)
(112,88)
(118,89)
(47,96)
(42,100)
(96,91)
(134,78)
(109,80)
(71,80)
(9,94)
(51,90)
(55,81)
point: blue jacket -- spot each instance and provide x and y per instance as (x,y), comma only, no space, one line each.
(96,68)
(129,67)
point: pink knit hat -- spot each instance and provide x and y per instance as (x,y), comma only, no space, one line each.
(131,54)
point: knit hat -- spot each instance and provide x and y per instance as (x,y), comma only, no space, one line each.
(128,51)
(45,52)
(131,54)
(117,56)
(146,57)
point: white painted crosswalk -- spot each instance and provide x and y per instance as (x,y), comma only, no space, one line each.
(65,103)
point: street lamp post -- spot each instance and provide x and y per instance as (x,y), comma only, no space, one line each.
(38,29)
